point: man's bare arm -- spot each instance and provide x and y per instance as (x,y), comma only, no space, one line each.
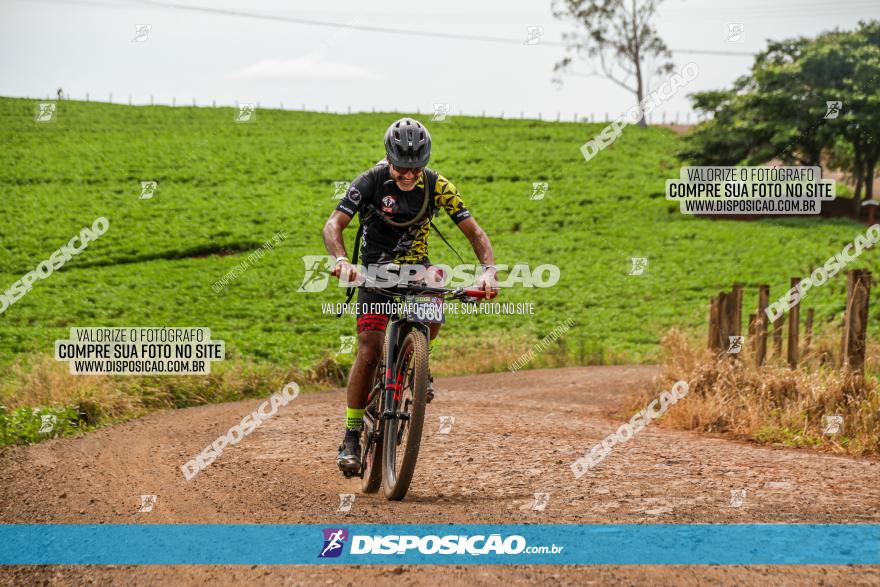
(333,234)
(479,240)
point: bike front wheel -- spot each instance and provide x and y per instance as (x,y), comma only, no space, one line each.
(403,431)
(371,437)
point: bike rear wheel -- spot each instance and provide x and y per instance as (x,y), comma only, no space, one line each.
(403,435)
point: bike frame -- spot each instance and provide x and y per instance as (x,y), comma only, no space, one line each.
(390,390)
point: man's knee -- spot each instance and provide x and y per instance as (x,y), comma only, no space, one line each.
(370,347)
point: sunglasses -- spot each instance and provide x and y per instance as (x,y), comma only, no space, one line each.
(408,170)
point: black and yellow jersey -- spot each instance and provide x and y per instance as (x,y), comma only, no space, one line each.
(374,194)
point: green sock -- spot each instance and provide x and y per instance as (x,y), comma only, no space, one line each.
(354,418)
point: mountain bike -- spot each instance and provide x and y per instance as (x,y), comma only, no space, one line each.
(395,408)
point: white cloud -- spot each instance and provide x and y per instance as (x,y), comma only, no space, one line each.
(312,66)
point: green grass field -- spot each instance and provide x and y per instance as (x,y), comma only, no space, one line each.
(226,188)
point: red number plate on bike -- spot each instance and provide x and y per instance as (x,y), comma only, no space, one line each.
(425,309)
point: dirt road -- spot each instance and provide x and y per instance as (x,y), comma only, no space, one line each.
(514,435)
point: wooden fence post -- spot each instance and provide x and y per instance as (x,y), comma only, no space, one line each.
(794,315)
(713,322)
(737,310)
(855,327)
(761,325)
(732,316)
(808,330)
(777,337)
(721,342)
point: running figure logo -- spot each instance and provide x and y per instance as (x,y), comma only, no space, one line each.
(541,501)
(736,344)
(141,32)
(47,423)
(317,273)
(334,541)
(534,35)
(148,188)
(46,112)
(247,112)
(735,31)
(539,189)
(832,424)
(339,189)
(737,497)
(346,344)
(446,423)
(441,111)
(832,109)
(639,264)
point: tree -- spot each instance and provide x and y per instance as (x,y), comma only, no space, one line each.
(779,110)
(860,119)
(620,34)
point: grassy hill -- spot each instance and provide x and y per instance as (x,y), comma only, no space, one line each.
(226,188)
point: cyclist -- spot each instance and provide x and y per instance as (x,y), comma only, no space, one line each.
(389,198)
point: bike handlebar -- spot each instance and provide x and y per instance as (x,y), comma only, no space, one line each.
(460,293)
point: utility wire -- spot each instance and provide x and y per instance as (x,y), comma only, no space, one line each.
(387,30)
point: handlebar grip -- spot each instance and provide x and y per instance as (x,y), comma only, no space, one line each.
(476,293)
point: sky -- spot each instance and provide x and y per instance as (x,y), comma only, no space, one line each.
(219,51)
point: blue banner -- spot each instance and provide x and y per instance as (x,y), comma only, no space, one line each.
(673,544)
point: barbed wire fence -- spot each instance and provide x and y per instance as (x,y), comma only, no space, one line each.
(673,118)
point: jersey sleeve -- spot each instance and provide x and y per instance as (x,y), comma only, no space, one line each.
(351,202)
(446,196)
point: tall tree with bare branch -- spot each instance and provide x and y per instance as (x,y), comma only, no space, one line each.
(620,34)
